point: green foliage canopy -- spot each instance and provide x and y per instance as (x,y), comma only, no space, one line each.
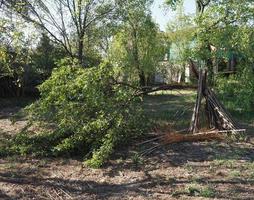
(138,45)
(181,36)
(90,113)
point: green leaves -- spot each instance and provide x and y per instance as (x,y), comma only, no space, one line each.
(173,3)
(237,91)
(138,46)
(90,112)
(225,24)
(180,34)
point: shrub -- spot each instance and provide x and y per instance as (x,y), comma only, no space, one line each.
(237,91)
(89,111)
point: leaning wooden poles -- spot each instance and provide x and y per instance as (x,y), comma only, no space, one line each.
(220,122)
(217,116)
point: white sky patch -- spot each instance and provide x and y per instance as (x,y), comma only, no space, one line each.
(162,14)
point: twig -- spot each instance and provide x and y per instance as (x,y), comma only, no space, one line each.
(57,194)
(151,140)
(161,136)
(50,196)
(150,150)
(70,197)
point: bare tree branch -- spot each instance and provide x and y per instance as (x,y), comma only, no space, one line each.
(82,15)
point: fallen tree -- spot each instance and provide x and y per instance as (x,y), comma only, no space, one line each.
(82,112)
(89,113)
(174,86)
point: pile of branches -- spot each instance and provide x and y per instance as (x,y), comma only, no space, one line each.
(217,116)
(220,122)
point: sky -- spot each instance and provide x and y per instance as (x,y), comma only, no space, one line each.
(162,15)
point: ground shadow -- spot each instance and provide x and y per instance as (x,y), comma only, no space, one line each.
(82,188)
(180,154)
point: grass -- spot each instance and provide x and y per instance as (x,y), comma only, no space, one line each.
(235,174)
(199,170)
(170,107)
(196,190)
(189,167)
(200,191)
(137,159)
(207,192)
(174,109)
(164,108)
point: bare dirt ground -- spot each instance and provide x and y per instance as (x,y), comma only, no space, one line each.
(181,171)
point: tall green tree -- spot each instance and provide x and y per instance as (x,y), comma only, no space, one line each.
(219,28)
(227,26)
(14,55)
(138,46)
(181,35)
(44,54)
(200,4)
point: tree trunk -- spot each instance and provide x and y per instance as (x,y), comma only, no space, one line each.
(80,51)
(209,64)
(141,74)
(142,78)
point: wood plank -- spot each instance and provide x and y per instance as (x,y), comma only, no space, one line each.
(196,111)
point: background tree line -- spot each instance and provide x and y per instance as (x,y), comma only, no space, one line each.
(86,31)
